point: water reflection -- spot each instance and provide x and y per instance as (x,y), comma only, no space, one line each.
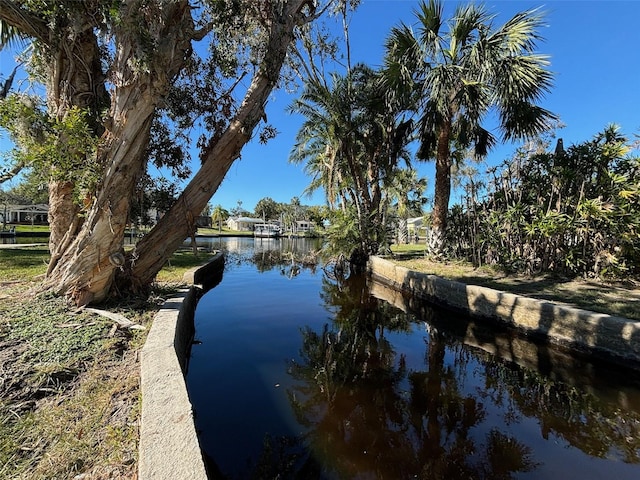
(376,385)
(370,416)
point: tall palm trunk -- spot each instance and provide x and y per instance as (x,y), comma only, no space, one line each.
(436,236)
(403,231)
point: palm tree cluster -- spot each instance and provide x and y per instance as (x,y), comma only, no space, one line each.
(354,142)
(453,74)
(573,212)
(437,87)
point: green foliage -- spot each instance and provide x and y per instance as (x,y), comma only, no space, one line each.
(573,212)
(23,118)
(353,142)
(342,234)
(59,149)
(32,189)
(152,193)
(219,215)
(267,208)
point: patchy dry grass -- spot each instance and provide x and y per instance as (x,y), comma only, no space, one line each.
(69,397)
(620,298)
(69,380)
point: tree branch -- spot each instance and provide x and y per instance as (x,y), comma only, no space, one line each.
(10,173)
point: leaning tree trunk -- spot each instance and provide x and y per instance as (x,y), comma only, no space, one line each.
(154,249)
(436,236)
(85,269)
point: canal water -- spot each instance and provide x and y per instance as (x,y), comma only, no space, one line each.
(298,372)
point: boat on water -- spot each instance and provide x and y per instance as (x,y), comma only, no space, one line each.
(266,230)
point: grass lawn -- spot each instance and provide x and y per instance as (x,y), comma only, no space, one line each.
(223,231)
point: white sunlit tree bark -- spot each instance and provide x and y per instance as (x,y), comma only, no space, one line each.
(147,47)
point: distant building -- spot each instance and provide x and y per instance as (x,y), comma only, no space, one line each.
(243,224)
(414,225)
(26,214)
(304,225)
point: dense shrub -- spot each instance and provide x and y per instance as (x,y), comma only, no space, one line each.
(572,212)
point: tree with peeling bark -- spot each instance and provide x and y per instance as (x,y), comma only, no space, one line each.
(125,66)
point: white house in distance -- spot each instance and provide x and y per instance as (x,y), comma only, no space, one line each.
(304,225)
(25,214)
(243,224)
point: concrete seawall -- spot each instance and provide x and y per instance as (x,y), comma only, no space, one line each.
(608,337)
(169,446)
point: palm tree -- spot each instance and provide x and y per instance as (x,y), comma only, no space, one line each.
(456,76)
(352,140)
(219,215)
(323,138)
(407,192)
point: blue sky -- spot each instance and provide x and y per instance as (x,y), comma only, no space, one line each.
(594,49)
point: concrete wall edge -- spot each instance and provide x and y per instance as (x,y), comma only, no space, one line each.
(169,447)
(611,338)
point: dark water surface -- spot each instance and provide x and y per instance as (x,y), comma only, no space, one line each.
(295,374)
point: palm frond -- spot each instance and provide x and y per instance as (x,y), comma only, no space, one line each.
(520,33)
(523,120)
(430,22)
(10,36)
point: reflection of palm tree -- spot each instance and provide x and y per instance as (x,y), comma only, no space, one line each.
(595,426)
(505,455)
(351,398)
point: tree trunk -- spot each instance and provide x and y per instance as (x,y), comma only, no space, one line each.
(403,231)
(64,219)
(435,237)
(75,79)
(85,269)
(152,251)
